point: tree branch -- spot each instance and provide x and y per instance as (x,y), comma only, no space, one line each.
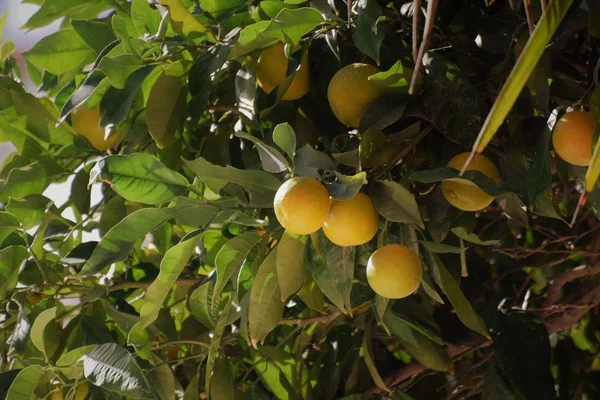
(144,285)
(307,321)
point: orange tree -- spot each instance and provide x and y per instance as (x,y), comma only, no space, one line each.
(377,270)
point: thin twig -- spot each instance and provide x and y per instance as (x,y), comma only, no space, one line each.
(544,5)
(530,22)
(427,30)
(308,321)
(144,285)
(415,29)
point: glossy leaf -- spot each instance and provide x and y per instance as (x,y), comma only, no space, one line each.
(23,387)
(202,305)
(368,36)
(272,160)
(395,203)
(38,332)
(290,263)
(285,137)
(346,187)
(54,10)
(473,178)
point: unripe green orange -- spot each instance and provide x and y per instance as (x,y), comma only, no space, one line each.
(572,137)
(86,122)
(301,205)
(271,71)
(350,93)
(394,271)
(351,222)
(469,197)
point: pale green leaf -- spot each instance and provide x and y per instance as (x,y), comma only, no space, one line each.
(290,263)
(24,385)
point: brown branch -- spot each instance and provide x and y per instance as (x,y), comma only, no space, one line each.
(427,30)
(544,5)
(415,30)
(530,22)
(144,285)
(232,109)
(562,280)
(307,321)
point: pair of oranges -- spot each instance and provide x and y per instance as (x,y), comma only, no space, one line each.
(303,206)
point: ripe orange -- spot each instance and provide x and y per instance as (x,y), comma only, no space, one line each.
(394,271)
(301,205)
(272,68)
(86,122)
(82,390)
(351,222)
(469,197)
(572,137)
(350,93)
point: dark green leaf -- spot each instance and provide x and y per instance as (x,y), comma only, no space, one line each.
(368,36)
(539,176)
(222,385)
(474,178)
(514,207)
(119,240)
(8,224)
(403,327)
(97,34)
(29,210)
(440,247)
(395,203)
(166,107)
(202,305)
(494,386)
(471,237)
(118,68)
(39,336)
(272,160)
(140,178)
(11,259)
(309,161)
(80,194)
(346,187)
(383,112)
(215,343)
(94,83)
(285,376)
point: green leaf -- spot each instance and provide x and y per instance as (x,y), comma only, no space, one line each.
(332,268)
(395,203)
(24,385)
(218,8)
(439,248)
(166,109)
(230,258)
(290,263)
(259,184)
(114,211)
(265,307)
(346,187)
(80,194)
(39,335)
(526,63)
(118,68)
(396,78)
(52,10)
(494,386)
(116,103)
(8,224)
(2,24)
(163,380)
(593,171)
(272,160)
(288,26)
(74,356)
(428,353)
(525,361)
(285,137)
(310,293)
(308,161)
(539,175)
(97,34)
(60,52)
(140,178)
(513,207)
(171,266)
(118,242)
(24,181)
(284,376)
(202,305)
(11,259)
(29,210)
(370,359)
(94,83)
(471,237)
(367,35)
(183,21)
(111,367)
(144,18)
(215,343)
(464,310)
(403,327)
(222,385)
(473,178)
(383,112)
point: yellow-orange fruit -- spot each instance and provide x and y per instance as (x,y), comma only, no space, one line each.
(301,205)
(350,93)
(58,395)
(394,271)
(468,197)
(351,222)
(86,122)
(272,68)
(572,137)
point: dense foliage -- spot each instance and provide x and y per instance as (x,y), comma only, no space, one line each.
(192,288)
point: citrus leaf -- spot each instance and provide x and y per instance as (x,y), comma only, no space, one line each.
(230,258)
(370,359)
(144,18)
(111,367)
(526,63)
(346,187)
(222,385)
(290,263)
(163,380)
(473,178)
(215,343)
(23,387)
(118,68)
(52,10)
(60,52)
(97,34)
(217,8)
(21,182)
(539,175)
(166,107)
(202,305)
(183,21)
(119,240)
(265,308)
(367,35)
(593,171)
(30,210)
(38,331)
(8,224)
(471,237)
(282,374)
(439,247)
(309,161)
(513,206)
(272,160)
(285,137)
(494,385)
(11,259)
(395,203)
(402,323)
(74,356)
(140,178)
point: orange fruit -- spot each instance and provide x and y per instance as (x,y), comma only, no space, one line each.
(468,197)
(271,71)
(301,205)
(394,271)
(86,122)
(351,222)
(572,137)
(350,93)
